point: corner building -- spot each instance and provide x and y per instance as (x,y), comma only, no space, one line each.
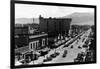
(55,26)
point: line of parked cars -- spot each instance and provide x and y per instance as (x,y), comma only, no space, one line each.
(51,57)
(80,57)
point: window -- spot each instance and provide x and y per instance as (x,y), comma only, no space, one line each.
(34,45)
(31,45)
(37,43)
(43,42)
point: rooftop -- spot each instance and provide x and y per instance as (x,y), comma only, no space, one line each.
(22,50)
(39,35)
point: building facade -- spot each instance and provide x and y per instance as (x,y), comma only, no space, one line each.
(27,43)
(37,42)
(21,36)
(54,26)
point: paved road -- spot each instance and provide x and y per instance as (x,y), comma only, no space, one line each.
(72,52)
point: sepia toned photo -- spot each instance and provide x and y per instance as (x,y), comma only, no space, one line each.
(50,34)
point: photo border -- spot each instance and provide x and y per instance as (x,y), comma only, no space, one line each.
(12,20)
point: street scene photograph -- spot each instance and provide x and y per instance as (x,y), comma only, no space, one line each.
(47,34)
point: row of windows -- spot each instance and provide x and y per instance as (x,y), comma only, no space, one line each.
(35,44)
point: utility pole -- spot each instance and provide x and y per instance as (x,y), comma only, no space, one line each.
(47,26)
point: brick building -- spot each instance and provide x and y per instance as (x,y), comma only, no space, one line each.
(54,26)
(27,43)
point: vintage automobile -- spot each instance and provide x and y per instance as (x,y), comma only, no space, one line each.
(79,47)
(71,46)
(85,46)
(47,59)
(65,53)
(25,61)
(80,57)
(54,55)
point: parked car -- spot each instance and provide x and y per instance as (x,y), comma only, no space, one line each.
(79,57)
(25,61)
(78,60)
(79,47)
(54,55)
(43,53)
(66,45)
(85,46)
(47,59)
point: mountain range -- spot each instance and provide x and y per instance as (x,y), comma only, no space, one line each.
(81,18)
(77,18)
(26,20)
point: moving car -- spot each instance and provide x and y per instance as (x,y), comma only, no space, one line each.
(79,47)
(65,53)
(71,46)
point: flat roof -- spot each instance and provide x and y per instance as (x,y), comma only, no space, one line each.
(22,49)
(36,36)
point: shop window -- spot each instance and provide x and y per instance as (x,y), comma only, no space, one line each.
(34,45)
(31,45)
(43,42)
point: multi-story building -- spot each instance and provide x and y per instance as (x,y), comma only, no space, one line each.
(29,39)
(38,41)
(55,26)
(27,42)
(21,36)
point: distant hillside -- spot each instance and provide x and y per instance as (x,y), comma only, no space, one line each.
(77,18)
(26,20)
(81,18)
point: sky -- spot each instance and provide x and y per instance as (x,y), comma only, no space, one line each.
(33,11)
